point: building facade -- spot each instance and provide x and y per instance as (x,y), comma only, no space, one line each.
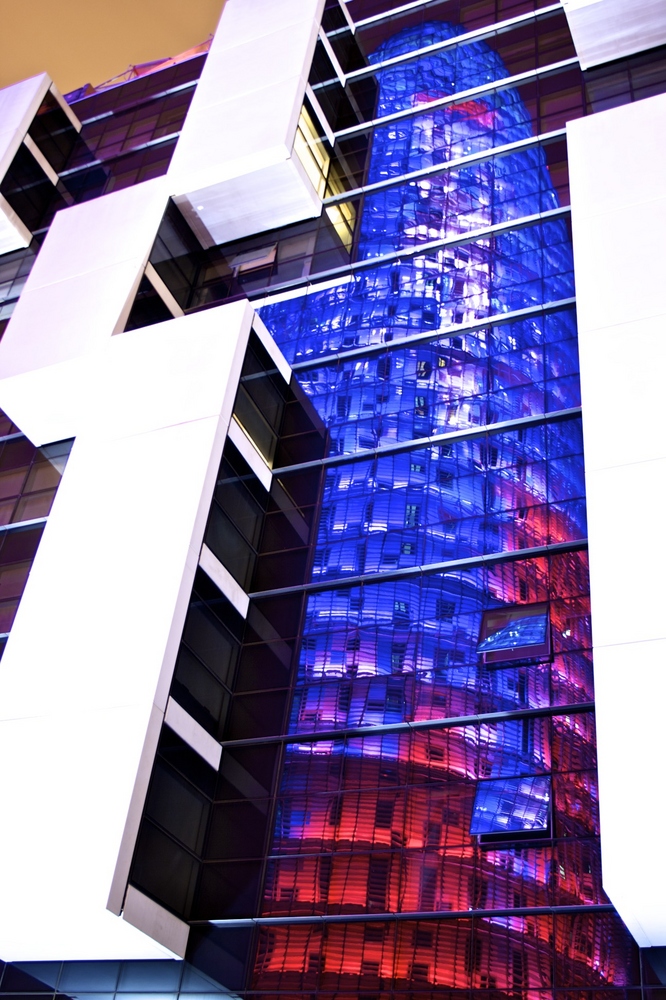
(316,349)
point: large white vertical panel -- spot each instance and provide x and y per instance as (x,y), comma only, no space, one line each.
(618,198)
(233,172)
(603,30)
(85,676)
(78,294)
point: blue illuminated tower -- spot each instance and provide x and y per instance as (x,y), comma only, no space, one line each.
(398,352)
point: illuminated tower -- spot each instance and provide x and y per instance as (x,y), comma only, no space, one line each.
(441,819)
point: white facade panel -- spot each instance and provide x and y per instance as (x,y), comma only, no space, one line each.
(224,581)
(189,730)
(48,404)
(54,754)
(78,294)
(232,173)
(93,254)
(618,197)
(272,349)
(238,28)
(250,453)
(109,590)
(14,235)
(604,30)
(251,202)
(162,926)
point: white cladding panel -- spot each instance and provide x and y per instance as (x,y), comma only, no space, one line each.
(618,198)
(232,172)
(78,294)
(603,30)
(14,235)
(86,672)
(82,279)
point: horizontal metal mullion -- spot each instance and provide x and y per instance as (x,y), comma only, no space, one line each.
(460,97)
(362,918)
(17,434)
(368,851)
(389,15)
(442,168)
(416,444)
(428,569)
(34,522)
(189,85)
(477,35)
(118,156)
(454,330)
(417,250)
(422,725)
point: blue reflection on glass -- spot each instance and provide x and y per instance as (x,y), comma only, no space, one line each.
(402,650)
(528,631)
(511,805)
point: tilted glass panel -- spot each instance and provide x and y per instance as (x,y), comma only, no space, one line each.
(511,805)
(525,631)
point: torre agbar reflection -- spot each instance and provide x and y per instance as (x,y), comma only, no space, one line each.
(428,525)
(296,694)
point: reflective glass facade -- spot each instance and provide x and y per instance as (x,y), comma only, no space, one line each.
(411,807)
(29,479)
(395,810)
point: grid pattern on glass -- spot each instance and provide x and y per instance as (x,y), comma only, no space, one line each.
(324,246)
(374,821)
(515,956)
(468,379)
(391,13)
(53,133)
(626,80)
(14,270)
(421,507)
(539,955)
(146,88)
(29,192)
(386,653)
(403,802)
(447,279)
(164,978)
(110,136)
(124,171)
(512,805)
(129,131)
(519,47)
(29,478)
(17,551)
(407,803)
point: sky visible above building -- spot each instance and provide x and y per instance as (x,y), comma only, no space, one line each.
(90,41)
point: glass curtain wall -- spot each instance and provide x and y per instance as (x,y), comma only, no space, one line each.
(437,825)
